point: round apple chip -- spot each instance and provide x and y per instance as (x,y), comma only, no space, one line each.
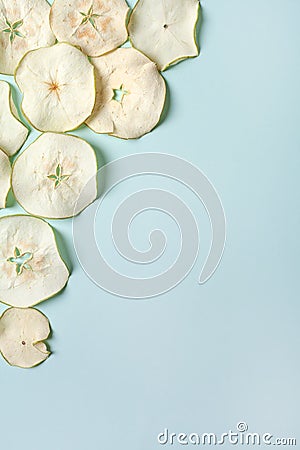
(24,26)
(49,176)
(5,174)
(58,84)
(97,27)
(165,30)
(31,269)
(13,133)
(130,94)
(22,336)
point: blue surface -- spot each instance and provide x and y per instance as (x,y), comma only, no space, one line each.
(199,358)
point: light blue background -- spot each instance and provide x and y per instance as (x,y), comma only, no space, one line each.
(199,358)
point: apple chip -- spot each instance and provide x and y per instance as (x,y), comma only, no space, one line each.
(165,30)
(31,269)
(5,174)
(97,27)
(130,94)
(22,332)
(50,174)
(58,84)
(13,133)
(24,26)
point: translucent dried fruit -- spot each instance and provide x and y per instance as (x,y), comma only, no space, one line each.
(50,174)
(13,133)
(22,332)
(31,269)
(97,27)
(130,94)
(165,30)
(24,26)
(58,84)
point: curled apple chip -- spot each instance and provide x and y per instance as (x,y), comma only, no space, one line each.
(130,94)
(13,133)
(58,84)
(31,269)
(24,26)
(50,174)
(97,27)
(22,332)
(5,174)
(165,30)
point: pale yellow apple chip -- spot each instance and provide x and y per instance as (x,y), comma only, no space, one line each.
(24,26)
(49,176)
(130,94)
(5,174)
(13,133)
(96,26)
(58,84)
(31,269)
(22,332)
(165,30)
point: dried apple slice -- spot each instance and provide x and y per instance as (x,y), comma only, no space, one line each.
(50,174)
(13,133)
(5,174)
(58,84)
(22,332)
(24,26)
(165,30)
(31,269)
(130,94)
(97,27)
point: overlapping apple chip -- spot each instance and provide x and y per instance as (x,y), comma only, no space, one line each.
(13,133)
(97,27)
(5,175)
(24,26)
(58,84)
(130,94)
(165,30)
